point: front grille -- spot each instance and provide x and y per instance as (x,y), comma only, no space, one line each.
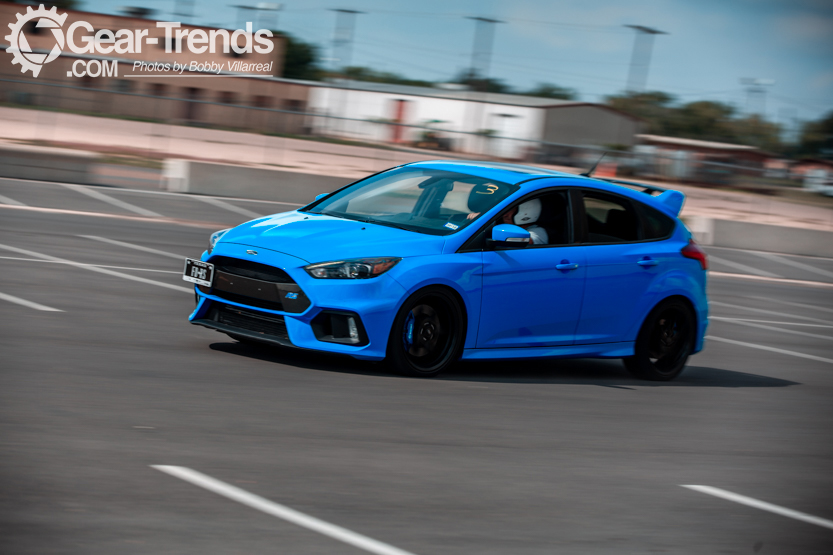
(249,269)
(257,285)
(272,325)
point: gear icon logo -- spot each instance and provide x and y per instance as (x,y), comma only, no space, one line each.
(19,46)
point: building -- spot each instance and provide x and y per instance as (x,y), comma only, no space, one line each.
(243,100)
(501,125)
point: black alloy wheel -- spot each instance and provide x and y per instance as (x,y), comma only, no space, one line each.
(664,342)
(427,334)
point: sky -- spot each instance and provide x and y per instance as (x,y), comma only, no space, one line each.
(709,47)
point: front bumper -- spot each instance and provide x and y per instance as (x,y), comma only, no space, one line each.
(373,302)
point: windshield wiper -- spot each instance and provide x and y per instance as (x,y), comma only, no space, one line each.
(367,221)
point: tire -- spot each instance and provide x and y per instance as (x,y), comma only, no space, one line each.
(664,343)
(427,334)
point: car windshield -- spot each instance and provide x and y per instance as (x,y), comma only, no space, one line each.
(431,201)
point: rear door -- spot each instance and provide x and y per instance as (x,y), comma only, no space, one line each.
(624,258)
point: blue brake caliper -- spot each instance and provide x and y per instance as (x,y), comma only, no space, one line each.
(408,332)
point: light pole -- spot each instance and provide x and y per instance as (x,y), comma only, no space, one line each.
(481,52)
(756,88)
(343,37)
(641,57)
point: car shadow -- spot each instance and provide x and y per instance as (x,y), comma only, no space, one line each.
(599,372)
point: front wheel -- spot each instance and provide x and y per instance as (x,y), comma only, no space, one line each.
(664,342)
(427,334)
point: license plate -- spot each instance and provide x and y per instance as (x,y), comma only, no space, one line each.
(199,272)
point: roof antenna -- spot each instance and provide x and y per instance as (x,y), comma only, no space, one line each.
(589,173)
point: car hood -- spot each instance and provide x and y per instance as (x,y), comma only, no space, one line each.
(317,238)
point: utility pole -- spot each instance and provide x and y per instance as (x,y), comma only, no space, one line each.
(641,58)
(756,89)
(481,52)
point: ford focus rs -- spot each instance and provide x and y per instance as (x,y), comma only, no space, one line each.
(431,262)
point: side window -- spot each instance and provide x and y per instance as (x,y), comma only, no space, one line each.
(609,220)
(546,217)
(657,224)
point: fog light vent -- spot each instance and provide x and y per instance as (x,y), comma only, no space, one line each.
(339,327)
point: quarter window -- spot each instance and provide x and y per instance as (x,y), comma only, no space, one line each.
(657,225)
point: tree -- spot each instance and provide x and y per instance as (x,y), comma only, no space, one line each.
(704,120)
(655,107)
(60,4)
(817,138)
(300,59)
(358,73)
(548,90)
(482,84)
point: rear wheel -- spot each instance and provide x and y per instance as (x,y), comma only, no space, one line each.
(664,342)
(427,334)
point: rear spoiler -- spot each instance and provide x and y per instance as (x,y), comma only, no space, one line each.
(669,198)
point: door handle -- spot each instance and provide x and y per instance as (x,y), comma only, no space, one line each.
(566,266)
(648,262)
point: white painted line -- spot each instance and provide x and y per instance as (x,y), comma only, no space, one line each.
(771,322)
(10,201)
(710,247)
(785,281)
(168,193)
(97,269)
(773,328)
(134,247)
(280,511)
(763,311)
(29,304)
(96,265)
(171,221)
(742,267)
(794,264)
(771,349)
(230,207)
(98,195)
(789,303)
(763,505)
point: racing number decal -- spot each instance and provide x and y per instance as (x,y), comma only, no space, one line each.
(492,188)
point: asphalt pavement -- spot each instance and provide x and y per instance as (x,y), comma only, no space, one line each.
(124,429)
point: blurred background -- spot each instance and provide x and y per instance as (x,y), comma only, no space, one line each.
(730,95)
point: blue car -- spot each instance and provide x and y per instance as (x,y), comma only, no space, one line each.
(431,262)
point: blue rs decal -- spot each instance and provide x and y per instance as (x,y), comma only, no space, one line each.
(292,295)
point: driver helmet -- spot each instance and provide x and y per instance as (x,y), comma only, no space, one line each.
(528,212)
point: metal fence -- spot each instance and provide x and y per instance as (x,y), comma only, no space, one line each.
(642,161)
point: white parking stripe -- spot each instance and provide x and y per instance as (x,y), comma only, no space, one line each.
(28,304)
(773,328)
(771,322)
(763,505)
(794,263)
(764,311)
(742,267)
(134,247)
(96,194)
(230,207)
(785,281)
(768,348)
(96,265)
(789,303)
(97,269)
(10,201)
(281,511)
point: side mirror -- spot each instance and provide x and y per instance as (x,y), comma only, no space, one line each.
(509,236)
(322,195)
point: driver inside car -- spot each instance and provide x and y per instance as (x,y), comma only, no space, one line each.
(525,215)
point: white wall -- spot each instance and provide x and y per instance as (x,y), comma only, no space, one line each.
(507,122)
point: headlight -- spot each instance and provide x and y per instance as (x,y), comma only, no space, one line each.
(216,237)
(359,268)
